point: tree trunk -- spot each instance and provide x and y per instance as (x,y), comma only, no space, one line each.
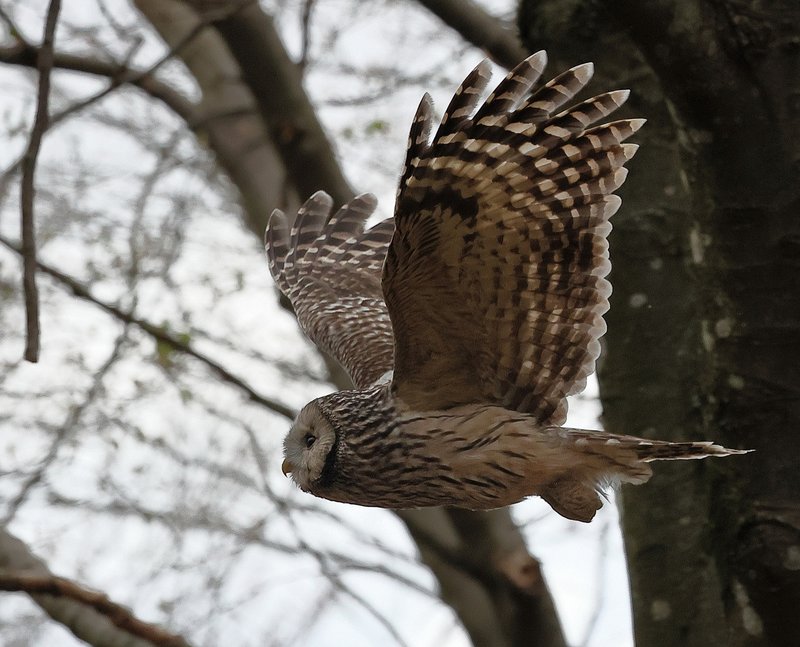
(228,118)
(704,329)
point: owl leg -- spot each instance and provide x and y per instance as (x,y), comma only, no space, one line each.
(572,499)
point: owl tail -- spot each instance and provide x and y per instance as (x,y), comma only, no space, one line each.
(608,460)
(660,450)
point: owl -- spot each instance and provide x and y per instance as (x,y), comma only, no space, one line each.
(467,319)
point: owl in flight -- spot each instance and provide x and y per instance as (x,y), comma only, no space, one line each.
(467,319)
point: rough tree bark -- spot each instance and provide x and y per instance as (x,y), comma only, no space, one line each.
(705,319)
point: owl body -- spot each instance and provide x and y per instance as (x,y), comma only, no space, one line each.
(369,448)
(467,319)
(398,457)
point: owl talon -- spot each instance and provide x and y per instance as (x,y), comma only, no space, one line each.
(572,499)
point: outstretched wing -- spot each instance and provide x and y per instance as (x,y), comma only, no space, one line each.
(330,269)
(494,279)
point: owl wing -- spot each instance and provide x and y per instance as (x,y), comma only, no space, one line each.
(494,278)
(330,269)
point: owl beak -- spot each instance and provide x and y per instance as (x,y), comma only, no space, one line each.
(287,468)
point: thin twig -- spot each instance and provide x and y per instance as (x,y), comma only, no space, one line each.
(67,427)
(26,56)
(122,32)
(372,610)
(158,333)
(331,563)
(143,79)
(13,28)
(305,25)
(477,26)
(27,228)
(135,78)
(36,584)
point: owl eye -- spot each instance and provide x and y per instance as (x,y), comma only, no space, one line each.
(310,440)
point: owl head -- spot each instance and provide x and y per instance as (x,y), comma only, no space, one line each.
(309,448)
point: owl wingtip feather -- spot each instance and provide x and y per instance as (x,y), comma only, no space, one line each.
(318,198)
(538,59)
(620,96)
(629,150)
(636,124)
(276,225)
(583,72)
(367,198)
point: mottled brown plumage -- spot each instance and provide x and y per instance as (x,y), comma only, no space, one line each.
(467,319)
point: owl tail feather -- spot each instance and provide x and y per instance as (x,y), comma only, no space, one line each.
(609,460)
(665,451)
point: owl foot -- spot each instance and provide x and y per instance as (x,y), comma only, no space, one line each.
(572,499)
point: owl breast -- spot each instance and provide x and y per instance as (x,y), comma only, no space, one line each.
(479,457)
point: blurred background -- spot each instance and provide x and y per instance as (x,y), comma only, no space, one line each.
(139,457)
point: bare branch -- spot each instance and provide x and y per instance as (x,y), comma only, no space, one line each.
(117,81)
(27,228)
(119,615)
(73,417)
(331,562)
(89,615)
(122,32)
(282,101)
(480,28)
(15,31)
(308,9)
(19,54)
(158,333)
(27,55)
(233,127)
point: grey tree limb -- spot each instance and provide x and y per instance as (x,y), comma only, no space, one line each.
(227,117)
(26,55)
(500,42)
(275,82)
(89,615)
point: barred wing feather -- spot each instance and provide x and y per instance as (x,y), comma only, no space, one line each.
(495,277)
(330,269)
